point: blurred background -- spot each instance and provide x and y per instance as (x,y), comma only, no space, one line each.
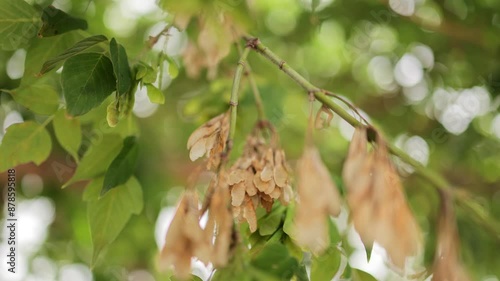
(427,72)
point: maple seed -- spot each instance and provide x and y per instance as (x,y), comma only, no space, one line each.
(318,197)
(185,238)
(375,195)
(446,262)
(210,140)
(220,221)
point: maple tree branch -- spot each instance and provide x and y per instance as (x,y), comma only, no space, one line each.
(253,85)
(322,96)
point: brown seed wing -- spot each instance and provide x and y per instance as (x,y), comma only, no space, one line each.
(238,194)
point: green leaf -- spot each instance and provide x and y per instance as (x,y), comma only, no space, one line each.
(68,132)
(294,250)
(155,95)
(173,70)
(269,223)
(123,166)
(288,223)
(93,190)
(87,79)
(19,22)
(277,236)
(275,260)
(79,47)
(368,249)
(326,266)
(127,102)
(335,236)
(235,270)
(225,273)
(56,22)
(23,143)
(359,275)
(301,273)
(120,67)
(40,98)
(258,274)
(41,50)
(97,158)
(109,214)
(145,73)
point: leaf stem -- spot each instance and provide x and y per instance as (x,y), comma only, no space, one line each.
(321,95)
(233,103)
(253,85)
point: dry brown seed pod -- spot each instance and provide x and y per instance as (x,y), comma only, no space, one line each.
(220,221)
(209,145)
(447,264)
(185,238)
(318,198)
(249,215)
(355,164)
(267,173)
(236,176)
(237,212)
(257,164)
(204,130)
(194,60)
(210,140)
(315,183)
(378,206)
(259,184)
(238,194)
(280,174)
(198,149)
(244,163)
(269,156)
(251,190)
(255,200)
(270,187)
(267,205)
(276,193)
(286,195)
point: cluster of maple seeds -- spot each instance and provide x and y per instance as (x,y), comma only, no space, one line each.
(217,34)
(259,176)
(185,237)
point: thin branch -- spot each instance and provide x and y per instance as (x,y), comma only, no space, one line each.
(435,179)
(152,40)
(253,85)
(233,103)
